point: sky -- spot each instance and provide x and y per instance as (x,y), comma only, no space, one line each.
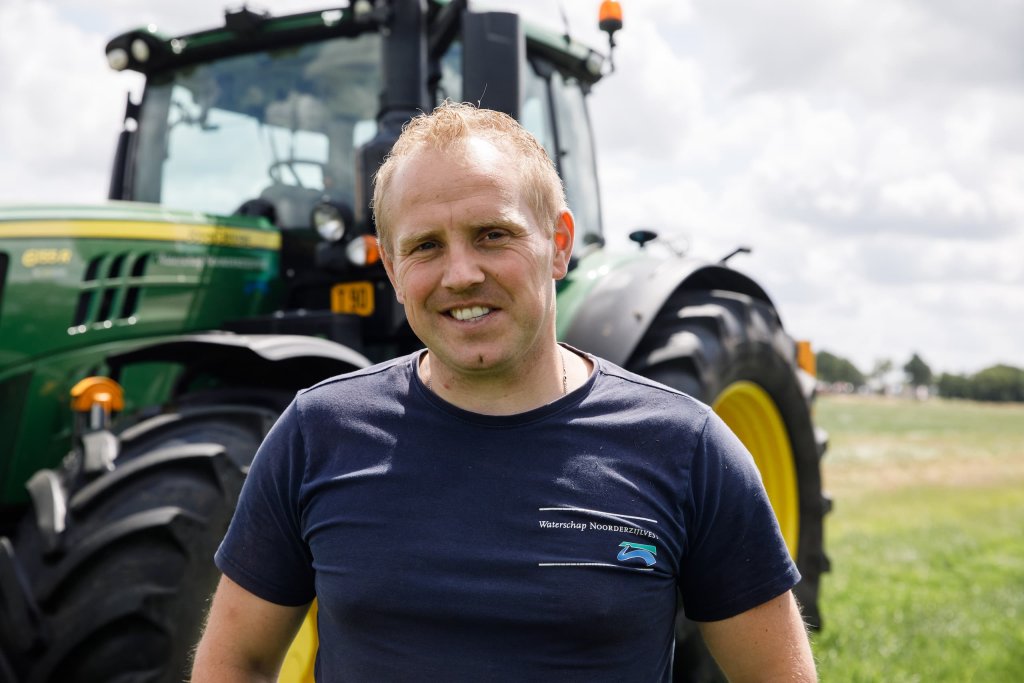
(869,152)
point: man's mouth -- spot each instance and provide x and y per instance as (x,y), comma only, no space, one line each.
(469,313)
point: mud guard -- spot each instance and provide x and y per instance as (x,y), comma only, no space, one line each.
(621,307)
(278,359)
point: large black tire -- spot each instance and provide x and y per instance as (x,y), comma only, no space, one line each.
(731,352)
(120,594)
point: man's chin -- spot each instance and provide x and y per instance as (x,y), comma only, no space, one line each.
(472,363)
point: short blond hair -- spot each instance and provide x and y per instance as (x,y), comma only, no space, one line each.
(448,128)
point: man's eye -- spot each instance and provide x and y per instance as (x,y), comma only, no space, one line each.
(425,246)
(492,235)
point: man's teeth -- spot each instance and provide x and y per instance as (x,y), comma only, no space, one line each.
(469,313)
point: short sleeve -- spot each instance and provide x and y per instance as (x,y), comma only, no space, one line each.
(736,558)
(264,550)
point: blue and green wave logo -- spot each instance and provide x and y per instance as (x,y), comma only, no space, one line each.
(637,551)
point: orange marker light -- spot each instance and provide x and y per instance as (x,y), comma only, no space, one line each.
(372,249)
(101,391)
(610,16)
(363,250)
(805,358)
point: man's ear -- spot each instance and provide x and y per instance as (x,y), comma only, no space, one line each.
(565,233)
(389,268)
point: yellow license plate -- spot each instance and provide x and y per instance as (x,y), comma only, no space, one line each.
(353,297)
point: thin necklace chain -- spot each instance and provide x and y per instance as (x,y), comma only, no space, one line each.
(565,376)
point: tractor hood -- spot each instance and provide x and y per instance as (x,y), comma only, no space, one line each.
(133,220)
(73,276)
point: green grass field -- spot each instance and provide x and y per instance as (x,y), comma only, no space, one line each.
(926,541)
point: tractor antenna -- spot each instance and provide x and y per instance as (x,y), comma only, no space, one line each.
(737,250)
(565,22)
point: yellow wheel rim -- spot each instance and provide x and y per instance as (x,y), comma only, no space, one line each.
(301,658)
(752,415)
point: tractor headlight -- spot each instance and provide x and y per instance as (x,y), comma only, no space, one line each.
(363,251)
(362,10)
(331,220)
(117,59)
(140,50)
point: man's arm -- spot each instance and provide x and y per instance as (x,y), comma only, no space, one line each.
(246,637)
(764,644)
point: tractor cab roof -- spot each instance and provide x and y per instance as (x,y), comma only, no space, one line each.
(148,51)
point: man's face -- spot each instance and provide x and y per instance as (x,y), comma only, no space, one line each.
(470,261)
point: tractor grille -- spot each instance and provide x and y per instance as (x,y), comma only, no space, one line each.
(110,288)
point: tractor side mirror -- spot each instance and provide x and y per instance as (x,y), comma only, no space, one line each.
(493,47)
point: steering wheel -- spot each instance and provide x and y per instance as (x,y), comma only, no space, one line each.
(276,170)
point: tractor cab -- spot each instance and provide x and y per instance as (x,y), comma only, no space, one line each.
(287,120)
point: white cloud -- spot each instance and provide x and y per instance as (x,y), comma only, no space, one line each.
(653,101)
(934,198)
(882,49)
(58,140)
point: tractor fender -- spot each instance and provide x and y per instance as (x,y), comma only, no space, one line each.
(621,306)
(281,360)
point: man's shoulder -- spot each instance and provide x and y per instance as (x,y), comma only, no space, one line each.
(374,380)
(621,380)
(626,397)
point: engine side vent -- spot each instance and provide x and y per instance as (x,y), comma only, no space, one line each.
(115,266)
(131,298)
(112,280)
(106,304)
(93,268)
(85,296)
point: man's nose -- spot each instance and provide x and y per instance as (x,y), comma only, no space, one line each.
(462,268)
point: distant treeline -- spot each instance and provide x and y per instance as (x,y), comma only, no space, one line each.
(997,383)
(833,369)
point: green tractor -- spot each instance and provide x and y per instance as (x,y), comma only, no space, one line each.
(148,344)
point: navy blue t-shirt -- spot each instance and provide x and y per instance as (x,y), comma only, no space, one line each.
(547,545)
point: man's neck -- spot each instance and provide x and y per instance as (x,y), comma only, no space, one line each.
(548,378)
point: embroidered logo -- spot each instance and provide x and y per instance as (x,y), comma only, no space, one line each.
(637,551)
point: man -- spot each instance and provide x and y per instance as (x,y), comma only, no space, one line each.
(498,507)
